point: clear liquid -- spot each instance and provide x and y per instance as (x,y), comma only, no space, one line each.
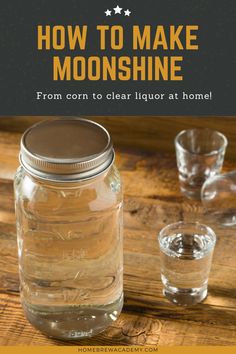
(72,322)
(185,266)
(70,260)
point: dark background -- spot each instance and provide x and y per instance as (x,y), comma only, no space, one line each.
(25,70)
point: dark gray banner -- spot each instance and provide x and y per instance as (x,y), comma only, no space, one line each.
(152,57)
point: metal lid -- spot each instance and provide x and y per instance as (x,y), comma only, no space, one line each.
(66,149)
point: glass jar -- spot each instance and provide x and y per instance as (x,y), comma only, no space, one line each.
(69,228)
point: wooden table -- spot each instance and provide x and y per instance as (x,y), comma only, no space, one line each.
(152,200)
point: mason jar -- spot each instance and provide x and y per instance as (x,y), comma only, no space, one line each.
(69,228)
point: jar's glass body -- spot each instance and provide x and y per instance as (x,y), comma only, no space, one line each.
(70,252)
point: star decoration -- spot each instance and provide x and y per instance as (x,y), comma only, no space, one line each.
(117,10)
(127,12)
(108,12)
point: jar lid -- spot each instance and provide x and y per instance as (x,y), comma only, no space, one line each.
(66,149)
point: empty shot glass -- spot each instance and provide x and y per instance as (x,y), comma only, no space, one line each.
(200,155)
(186,251)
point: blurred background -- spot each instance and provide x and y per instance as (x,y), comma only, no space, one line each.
(153,134)
(149,133)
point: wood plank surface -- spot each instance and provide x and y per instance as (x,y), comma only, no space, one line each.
(143,132)
(152,200)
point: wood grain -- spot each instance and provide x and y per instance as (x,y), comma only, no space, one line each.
(152,199)
(143,132)
(129,329)
(9,150)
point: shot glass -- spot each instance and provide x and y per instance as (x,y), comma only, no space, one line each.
(200,155)
(186,251)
